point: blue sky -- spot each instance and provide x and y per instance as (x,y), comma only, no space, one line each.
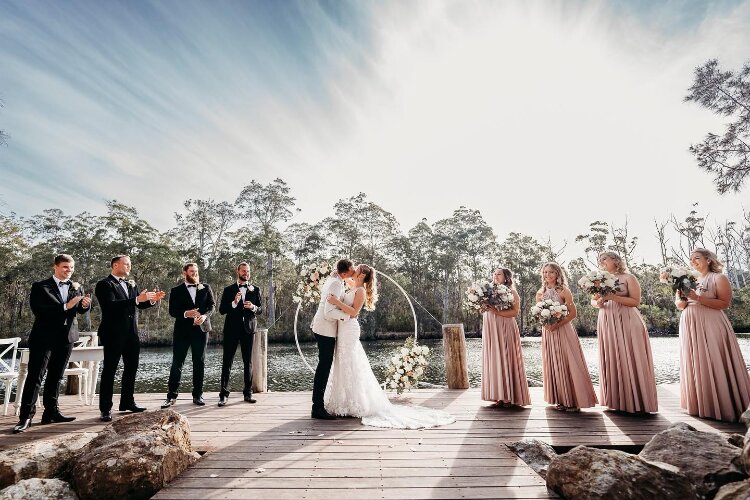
(425,106)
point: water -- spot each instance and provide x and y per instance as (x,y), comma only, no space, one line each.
(287,372)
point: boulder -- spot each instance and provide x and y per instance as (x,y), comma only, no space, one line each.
(537,454)
(745,417)
(134,457)
(589,473)
(38,489)
(40,459)
(734,491)
(710,460)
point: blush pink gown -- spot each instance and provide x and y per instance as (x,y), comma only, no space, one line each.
(713,376)
(503,373)
(566,377)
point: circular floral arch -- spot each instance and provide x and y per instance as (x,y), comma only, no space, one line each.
(299,306)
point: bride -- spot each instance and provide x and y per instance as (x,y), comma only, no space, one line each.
(352,388)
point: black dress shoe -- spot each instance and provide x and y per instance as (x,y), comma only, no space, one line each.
(132,407)
(222,400)
(22,425)
(106,416)
(199,401)
(249,399)
(322,414)
(169,402)
(55,416)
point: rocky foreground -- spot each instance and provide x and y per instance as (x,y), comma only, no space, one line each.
(134,457)
(679,463)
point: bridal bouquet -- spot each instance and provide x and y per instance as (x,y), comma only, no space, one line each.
(548,312)
(680,278)
(481,295)
(406,366)
(312,279)
(599,282)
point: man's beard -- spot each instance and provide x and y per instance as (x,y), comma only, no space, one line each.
(192,280)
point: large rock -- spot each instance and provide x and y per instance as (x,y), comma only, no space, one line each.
(708,459)
(41,459)
(134,457)
(537,454)
(38,489)
(589,473)
(734,491)
(745,417)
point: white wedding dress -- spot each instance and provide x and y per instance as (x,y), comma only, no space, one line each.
(353,390)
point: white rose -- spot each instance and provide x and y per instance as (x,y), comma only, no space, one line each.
(557,309)
(535,310)
(549,302)
(425,350)
(418,371)
(473,297)
(75,285)
(407,366)
(396,376)
(422,360)
(400,371)
(677,272)
(393,384)
(545,313)
(296,299)
(404,351)
(314,276)
(200,286)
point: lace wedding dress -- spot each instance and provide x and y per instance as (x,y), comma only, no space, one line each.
(354,391)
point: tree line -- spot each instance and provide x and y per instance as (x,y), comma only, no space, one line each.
(433,262)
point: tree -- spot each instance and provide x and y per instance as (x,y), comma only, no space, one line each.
(3,135)
(727,94)
(203,229)
(265,208)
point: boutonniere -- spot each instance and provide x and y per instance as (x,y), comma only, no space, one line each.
(250,288)
(200,286)
(131,283)
(75,285)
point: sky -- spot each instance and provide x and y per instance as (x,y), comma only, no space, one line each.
(544,115)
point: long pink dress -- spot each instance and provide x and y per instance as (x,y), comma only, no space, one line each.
(566,377)
(626,367)
(503,373)
(713,376)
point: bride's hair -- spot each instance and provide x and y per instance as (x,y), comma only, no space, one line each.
(371,286)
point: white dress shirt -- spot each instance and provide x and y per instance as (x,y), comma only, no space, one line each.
(64,289)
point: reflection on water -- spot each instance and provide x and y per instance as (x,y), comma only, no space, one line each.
(287,372)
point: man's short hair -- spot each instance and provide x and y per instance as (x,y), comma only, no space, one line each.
(242,264)
(343,265)
(116,259)
(188,266)
(63,257)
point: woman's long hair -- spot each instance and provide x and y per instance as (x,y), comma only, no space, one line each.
(560,282)
(507,276)
(620,266)
(714,264)
(371,286)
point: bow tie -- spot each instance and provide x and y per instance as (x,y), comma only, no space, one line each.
(122,280)
(192,286)
(244,286)
(64,283)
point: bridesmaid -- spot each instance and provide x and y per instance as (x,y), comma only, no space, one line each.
(503,373)
(626,367)
(713,377)
(567,383)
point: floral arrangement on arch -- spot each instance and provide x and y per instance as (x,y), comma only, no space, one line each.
(312,278)
(406,366)
(681,279)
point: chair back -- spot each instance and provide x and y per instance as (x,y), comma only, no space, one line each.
(8,346)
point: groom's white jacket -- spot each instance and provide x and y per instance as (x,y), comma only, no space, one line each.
(327,316)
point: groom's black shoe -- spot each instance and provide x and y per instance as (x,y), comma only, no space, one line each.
(321,414)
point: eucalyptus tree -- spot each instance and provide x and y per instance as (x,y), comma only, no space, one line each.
(265,208)
(202,229)
(3,133)
(307,243)
(727,94)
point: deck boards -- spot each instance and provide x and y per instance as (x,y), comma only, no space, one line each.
(274,450)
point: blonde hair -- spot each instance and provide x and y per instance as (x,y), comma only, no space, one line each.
(714,264)
(371,286)
(620,266)
(560,282)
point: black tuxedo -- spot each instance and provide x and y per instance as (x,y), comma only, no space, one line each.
(239,328)
(118,333)
(189,336)
(50,343)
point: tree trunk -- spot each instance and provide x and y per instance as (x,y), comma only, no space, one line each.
(271,305)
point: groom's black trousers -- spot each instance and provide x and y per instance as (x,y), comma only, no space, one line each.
(326,346)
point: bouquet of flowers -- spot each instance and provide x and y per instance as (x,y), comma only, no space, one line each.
(599,282)
(548,312)
(407,366)
(312,279)
(481,295)
(680,278)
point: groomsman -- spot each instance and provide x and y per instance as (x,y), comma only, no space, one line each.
(240,301)
(120,299)
(54,303)
(191,304)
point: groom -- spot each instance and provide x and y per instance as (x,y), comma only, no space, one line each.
(325,327)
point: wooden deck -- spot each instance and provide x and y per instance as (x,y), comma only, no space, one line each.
(274,450)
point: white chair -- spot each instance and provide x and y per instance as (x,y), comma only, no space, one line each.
(77,370)
(8,369)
